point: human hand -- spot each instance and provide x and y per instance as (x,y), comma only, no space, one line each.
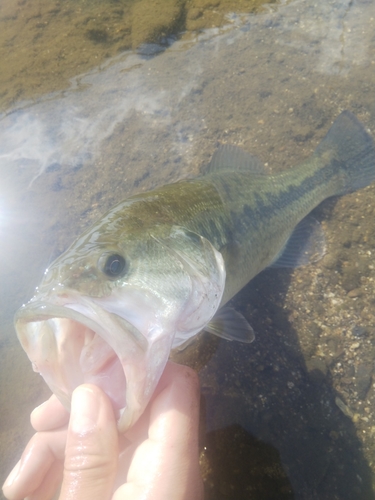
(156,459)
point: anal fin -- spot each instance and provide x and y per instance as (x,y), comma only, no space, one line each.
(306,245)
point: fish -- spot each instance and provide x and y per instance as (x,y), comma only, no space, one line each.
(161,266)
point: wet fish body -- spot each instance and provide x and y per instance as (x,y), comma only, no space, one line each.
(157,268)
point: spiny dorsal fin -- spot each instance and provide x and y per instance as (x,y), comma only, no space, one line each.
(229,157)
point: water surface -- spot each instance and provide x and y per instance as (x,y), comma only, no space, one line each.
(291,415)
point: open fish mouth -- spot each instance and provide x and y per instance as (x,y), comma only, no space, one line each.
(76,341)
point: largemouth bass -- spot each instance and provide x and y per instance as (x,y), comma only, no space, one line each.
(160,267)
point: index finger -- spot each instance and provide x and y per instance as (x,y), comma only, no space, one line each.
(49,415)
(166,465)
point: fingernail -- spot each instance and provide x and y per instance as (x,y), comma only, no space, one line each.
(12,476)
(84,411)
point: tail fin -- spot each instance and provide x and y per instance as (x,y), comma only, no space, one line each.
(352,151)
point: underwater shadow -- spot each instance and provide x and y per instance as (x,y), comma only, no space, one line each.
(260,397)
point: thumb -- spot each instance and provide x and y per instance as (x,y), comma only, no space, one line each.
(91,451)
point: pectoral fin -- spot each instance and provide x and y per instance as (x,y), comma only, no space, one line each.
(230,325)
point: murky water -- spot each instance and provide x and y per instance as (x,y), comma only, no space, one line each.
(291,415)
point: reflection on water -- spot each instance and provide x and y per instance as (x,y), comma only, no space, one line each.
(271,83)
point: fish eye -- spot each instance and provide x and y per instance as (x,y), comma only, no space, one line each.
(113,265)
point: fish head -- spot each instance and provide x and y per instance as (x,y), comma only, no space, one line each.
(108,312)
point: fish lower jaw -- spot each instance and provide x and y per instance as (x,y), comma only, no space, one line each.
(111,379)
(92,361)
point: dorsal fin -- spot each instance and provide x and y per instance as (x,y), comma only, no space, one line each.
(228,157)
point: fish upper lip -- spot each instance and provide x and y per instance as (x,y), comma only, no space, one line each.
(39,310)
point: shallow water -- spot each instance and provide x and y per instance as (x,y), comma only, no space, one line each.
(291,415)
